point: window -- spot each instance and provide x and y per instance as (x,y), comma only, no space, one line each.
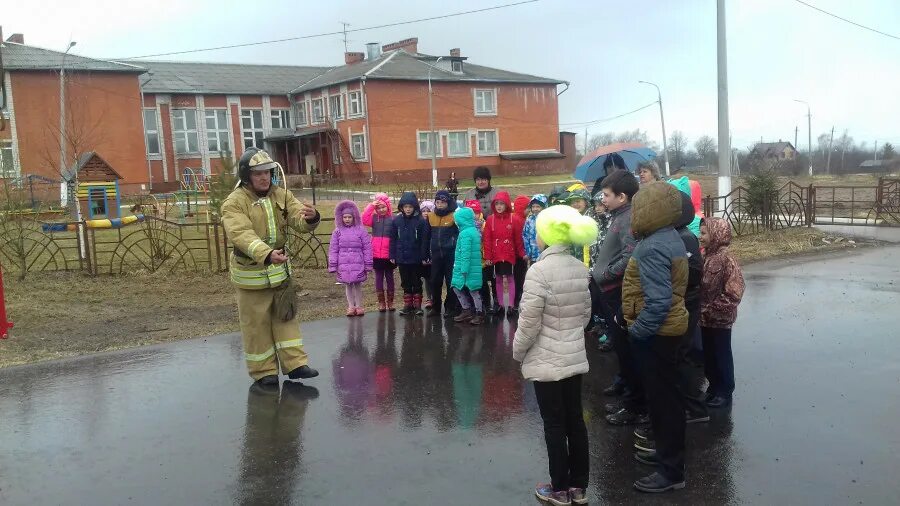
(217,136)
(336,106)
(151,132)
(300,107)
(7,166)
(355,99)
(358,146)
(185,131)
(426,141)
(252,125)
(487,142)
(281,118)
(485,102)
(458,143)
(318,111)
(456,66)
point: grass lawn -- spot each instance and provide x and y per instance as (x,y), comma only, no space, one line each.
(60,314)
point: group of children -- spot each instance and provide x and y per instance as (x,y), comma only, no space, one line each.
(624,255)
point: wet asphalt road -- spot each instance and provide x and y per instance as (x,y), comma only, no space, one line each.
(413,411)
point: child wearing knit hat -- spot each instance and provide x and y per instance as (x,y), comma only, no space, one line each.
(552,349)
(426,207)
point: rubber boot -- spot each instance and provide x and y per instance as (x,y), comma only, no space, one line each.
(382,306)
(390,300)
(407,304)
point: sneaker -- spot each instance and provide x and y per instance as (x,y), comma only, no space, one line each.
(427,303)
(643,432)
(478,319)
(614,390)
(360,311)
(656,483)
(465,316)
(407,310)
(267,381)
(627,417)
(613,407)
(645,445)
(545,493)
(351,311)
(303,372)
(695,417)
(646,458)
(578,495)
(419,311)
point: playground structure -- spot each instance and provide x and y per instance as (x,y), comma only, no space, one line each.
(94,185)
(185,202)
(102,223)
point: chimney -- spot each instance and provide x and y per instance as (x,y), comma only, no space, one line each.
(356,57)
(408,45)
(455,52)
(372,51)
(18,38)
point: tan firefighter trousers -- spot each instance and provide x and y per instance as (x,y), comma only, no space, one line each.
(266,336)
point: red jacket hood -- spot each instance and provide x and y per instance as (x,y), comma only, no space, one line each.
(520,205)
(697,197)
(503,197)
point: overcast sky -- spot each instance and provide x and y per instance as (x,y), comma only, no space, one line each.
(779,50)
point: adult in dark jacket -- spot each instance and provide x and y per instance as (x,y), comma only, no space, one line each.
(408,250)
(483,192)
(441,233)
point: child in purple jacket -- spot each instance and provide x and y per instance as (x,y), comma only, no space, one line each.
(350,254)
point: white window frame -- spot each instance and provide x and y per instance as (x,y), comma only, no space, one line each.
(486,112)
(354,97)
(302,113)
(282,116)
(255,132)
(437,137)
(152,131)
(361,157)
(219,132)
(8,172)
(339,100)
(482,152)
(181,132)
(468,144)
(321,119)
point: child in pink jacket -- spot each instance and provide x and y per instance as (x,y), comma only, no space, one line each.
(380,219)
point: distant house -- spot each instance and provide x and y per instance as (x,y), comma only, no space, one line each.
(774,151)
(877,166)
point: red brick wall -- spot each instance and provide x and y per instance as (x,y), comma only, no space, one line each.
(527,119)
(104,107)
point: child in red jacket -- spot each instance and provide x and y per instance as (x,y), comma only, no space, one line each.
(503,247)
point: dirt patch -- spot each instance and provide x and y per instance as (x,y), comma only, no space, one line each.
(60,315)
(788,242)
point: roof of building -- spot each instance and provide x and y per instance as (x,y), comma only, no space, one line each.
(225,78)
(772,147)
(401,65)
(21,57)
(69,173)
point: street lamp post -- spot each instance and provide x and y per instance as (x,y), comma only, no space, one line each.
(62,109)
(662,122)
(433,142)
(808,132)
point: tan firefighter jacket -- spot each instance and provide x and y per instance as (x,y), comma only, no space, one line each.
(255,226)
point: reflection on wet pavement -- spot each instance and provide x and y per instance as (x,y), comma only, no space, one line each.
(423,411)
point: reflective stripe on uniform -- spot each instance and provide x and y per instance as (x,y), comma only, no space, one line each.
(259,357)
(270,220)
(292,343)
(271,276)
(251,249)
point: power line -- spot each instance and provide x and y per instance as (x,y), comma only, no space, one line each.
(854,23)
(326,34)
(603,120)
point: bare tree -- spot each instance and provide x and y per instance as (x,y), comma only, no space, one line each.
(844,143)
(677,146)
(706,148)
(887,152)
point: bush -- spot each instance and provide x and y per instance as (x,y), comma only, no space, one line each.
(762,192)
(220,186)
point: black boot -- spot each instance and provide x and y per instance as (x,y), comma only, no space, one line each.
(656,483)
(267,381)
(303,372)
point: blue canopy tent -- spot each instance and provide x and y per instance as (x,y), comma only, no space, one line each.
(625,155)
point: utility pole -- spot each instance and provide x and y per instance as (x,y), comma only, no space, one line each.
(876,151)
(796,129)
(830,144)
(809,133)
(585,141)
(662,122)
(722,67)
(346,46)
(62,120)
(433,143)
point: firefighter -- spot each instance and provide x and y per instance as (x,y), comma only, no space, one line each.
(256,216)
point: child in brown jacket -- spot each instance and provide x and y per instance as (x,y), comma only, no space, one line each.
(720,293)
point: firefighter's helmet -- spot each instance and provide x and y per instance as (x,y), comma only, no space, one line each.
(255,159)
